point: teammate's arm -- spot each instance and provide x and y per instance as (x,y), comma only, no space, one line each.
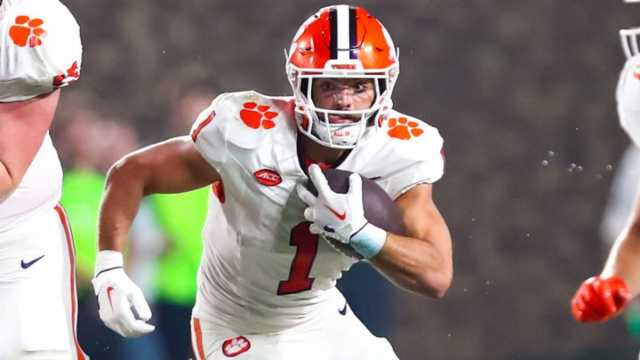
(623,258)
(602,297)
(23,126)
(421,261)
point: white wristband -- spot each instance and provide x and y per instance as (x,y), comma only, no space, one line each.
(369,240)
(108,260)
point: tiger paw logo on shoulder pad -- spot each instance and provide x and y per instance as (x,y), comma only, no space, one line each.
(256,116)
(27,32)
(403,129)
(235,346)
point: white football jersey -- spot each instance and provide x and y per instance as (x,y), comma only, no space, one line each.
(628,98)
(262,270)
(40,48)
(39,191)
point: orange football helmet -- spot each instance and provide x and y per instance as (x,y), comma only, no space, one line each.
(341,41)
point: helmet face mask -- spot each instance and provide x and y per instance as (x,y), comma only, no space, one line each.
(629,38)
(341,42)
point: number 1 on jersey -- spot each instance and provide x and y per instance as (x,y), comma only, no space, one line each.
(307,248)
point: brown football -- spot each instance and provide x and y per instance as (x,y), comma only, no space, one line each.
(379,208)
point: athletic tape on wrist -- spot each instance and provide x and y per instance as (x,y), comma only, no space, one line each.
(108,260)
(369,240)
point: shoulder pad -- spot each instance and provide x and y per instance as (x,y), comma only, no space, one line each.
(253,117)
(412,138)
(43,50)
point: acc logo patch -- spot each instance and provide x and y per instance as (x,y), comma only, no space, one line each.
(268,177)
(235,346)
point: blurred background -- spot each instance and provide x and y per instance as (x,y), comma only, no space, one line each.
(522,92)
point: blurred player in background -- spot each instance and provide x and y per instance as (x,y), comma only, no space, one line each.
(40,51)
(604,296)
(266,284)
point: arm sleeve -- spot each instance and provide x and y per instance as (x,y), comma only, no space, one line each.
(422,162)
(40,49)
(209,132)
(426,172)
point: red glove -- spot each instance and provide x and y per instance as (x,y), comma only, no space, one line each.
(599,299)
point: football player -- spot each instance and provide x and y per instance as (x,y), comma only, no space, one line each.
(266,286)
(602,297)
(40,52)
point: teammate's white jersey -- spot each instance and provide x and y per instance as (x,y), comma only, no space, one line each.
(38,192)
(627,96)
(40,50)
(262,270)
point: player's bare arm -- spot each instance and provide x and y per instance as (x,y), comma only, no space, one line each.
(168,167)
(22,129)
(171,166)
(623,259)
(420,262)
(602,297)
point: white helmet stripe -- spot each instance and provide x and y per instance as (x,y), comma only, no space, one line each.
(343,33)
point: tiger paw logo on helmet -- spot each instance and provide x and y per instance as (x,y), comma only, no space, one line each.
(254,116)
(403,129)
(27,31)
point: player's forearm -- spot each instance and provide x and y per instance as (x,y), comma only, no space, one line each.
(120,203)
(623,259)
(415,265)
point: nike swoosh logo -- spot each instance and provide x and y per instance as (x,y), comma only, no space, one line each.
(109,290)
(343,311)
(340,216)
(26,265)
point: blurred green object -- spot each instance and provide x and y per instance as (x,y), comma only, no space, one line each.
(81,194)
(181,217)
(632,317)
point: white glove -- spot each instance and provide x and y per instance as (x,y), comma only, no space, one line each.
(341,216)
(118,295)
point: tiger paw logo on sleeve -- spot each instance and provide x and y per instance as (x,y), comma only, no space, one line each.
(403,129)
(255,116)
(27,31)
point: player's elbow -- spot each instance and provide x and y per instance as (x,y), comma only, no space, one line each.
(434,283)
(124,171)
(437,285)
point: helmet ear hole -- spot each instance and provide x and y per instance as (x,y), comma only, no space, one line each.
(382,84)
(304,87)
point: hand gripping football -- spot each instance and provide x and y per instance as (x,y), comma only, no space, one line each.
(379,209)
